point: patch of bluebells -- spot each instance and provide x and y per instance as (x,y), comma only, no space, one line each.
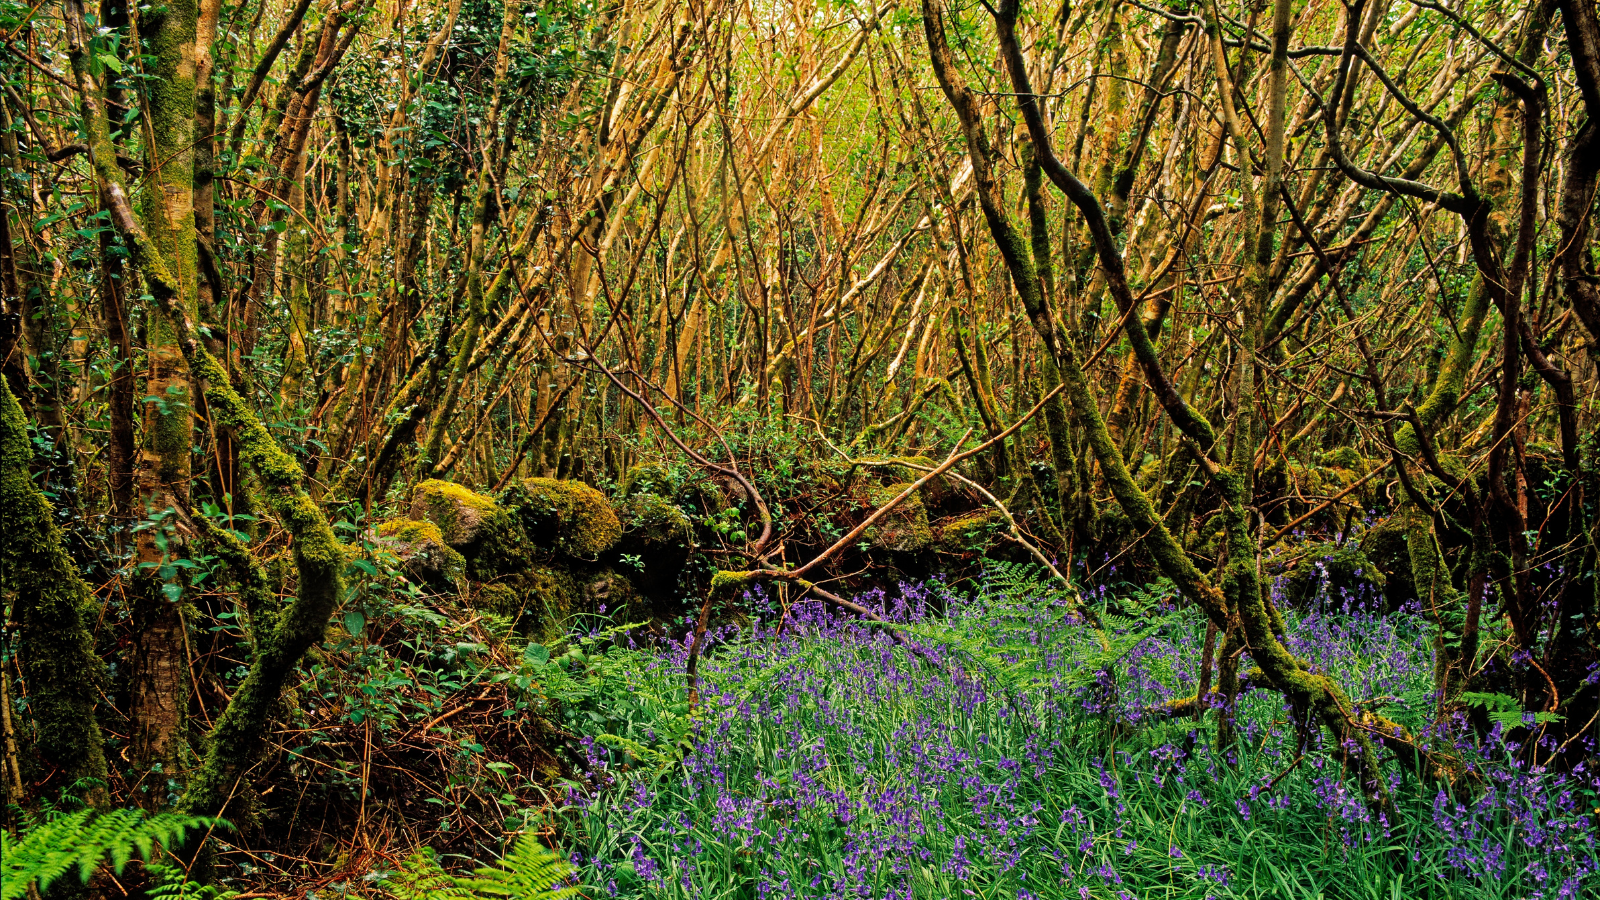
(833,761)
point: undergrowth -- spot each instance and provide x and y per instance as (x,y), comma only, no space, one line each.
(1017,755)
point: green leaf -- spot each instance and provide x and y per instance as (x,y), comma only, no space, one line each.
(355,622)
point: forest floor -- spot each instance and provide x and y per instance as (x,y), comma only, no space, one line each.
(1015,754)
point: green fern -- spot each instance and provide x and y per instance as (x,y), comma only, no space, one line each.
(1506,711)
(529,871)
(83,840)
(1025,615)
(171,883)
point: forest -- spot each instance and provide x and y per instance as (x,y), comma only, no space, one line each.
(747,449)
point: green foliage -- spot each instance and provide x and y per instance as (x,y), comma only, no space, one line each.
(82,840)
(1506,711)
(593,686)
(1033,617)
(169,883)
(818,750)
(529,871)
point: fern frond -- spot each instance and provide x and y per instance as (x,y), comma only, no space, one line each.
(421,878)
(529,871)
(172,883)
(82,840)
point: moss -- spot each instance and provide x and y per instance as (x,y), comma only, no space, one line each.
(500,599)
(609,592)
(651,522)
(658,537)
(54,607)
(485,533)
(411,530)
(460,512)
(423,553)
(905,529)
(568,517)
(1386,545)
(972,532)
(319,559)
(728,584)
(547,598)
(542,602)
(249,575)
(900,468)
(649,477)
(1344,458)
(1336,573)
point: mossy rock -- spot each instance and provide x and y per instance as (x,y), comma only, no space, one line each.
(651,521)
(499,598)
(482,530)
(970,533)
(900,471)
(461,513)
(423,553)
(905,529)
(1344,458)
(658,534)
(567,517)
(1333,575)
(608,592)
(650,478)
(1387,546)
(540,602)
(543,601)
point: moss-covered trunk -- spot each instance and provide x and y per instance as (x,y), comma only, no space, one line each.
(159,665)
(237,738)
(53,605)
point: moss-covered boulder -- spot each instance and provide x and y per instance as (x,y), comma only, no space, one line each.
(650,478)
(550,596)
(424,555)
(1335,575)
(566,517)
(907,469)
(461,513)
(973,532)
(500,598)
(608,592)
(1386,545)
(539,602)
(656,540)
(905,529)
(489,537)
(1344,458)
(542,601)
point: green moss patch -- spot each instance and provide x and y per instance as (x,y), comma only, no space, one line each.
(970,533)
(424,555)
(1333,574)
(567,517)
(461,513)
(905,529)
